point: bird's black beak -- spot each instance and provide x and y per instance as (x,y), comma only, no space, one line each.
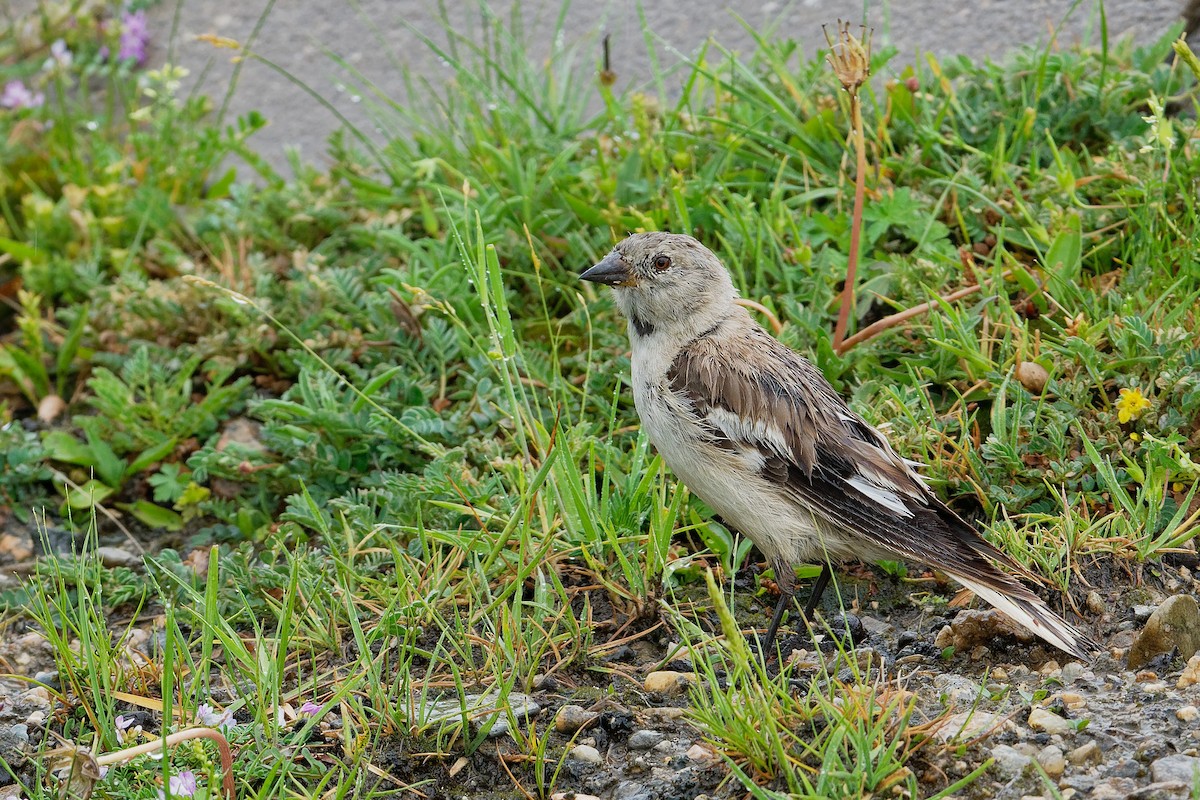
(613,271)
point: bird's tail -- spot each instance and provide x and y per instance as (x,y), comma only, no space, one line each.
(1028,609)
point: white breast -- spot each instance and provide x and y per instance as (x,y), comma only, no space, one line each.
(727,479)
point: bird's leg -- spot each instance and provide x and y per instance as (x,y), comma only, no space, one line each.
(785,578)
(818,589)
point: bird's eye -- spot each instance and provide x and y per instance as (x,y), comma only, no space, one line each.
(662,263)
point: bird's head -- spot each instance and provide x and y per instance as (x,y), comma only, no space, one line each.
(666,281)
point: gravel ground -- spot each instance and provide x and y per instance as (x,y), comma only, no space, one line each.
(381,38)
(1122,727)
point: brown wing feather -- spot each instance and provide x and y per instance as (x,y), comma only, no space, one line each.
(827,449)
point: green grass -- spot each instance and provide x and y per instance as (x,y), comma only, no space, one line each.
(388,438)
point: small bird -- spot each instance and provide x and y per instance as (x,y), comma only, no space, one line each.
(755,430)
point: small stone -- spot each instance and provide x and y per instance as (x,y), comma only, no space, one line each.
(1142,612)
(1146,676)
(36,718)
(50,407)
(544,683)
(967,725)
(116,557)
(1010,762)
(1051,759)
(645,740)
(16,548)
(1072,700)
(665,715)
(971,628)
(1114,788)
(570,719)
(1191,673)
(999,674)
(876,627)
(1187,714)
(483,709)
(848,624)
(1050,667)
(1072,671)
(1033,376)
(1095,603)
(668,682)
(573,796)
(1183,769)
(632,790)
(1040,719)
(699,752)
(585,753)
(1089,753)
(1174,624)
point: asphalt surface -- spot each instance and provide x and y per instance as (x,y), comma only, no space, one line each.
(319,44)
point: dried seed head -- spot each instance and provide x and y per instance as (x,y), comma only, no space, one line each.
(849,56)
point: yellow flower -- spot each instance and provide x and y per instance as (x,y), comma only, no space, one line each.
(1131,404)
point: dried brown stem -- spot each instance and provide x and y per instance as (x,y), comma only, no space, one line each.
(876,328)
(860,178)
(121,756)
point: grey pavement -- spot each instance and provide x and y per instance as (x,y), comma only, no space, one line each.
(382,38)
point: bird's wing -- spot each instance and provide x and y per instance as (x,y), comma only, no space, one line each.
(753,392)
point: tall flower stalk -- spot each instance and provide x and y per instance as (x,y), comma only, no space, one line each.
(850,58)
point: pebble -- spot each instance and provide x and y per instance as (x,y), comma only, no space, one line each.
(1073,671)
(1187,714)
(1033,376)
(1040,719)
(1116,788)
(1174,624)
(544,683)
(1191,673)
(116,557)
(1072,700)
(967,725)
(585,753)
(1095,603)
(848,624)
(631,790)
(699,752)
(1175,768)
(958,688)
(1142,612)
(1051,760)
(1050,668)
(448,712)
(971,627)
(645,740)
(1010,762)
(668,682)
(573,796)
(571,718)
(1089,753)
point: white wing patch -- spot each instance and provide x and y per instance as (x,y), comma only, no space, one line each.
(746,432)
(888,499)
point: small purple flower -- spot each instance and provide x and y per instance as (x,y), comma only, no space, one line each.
(123,722)
(310,708)
(17,95)
(134,36)
(181,785)
(209,717)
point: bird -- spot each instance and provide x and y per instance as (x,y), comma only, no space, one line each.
(756,431)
